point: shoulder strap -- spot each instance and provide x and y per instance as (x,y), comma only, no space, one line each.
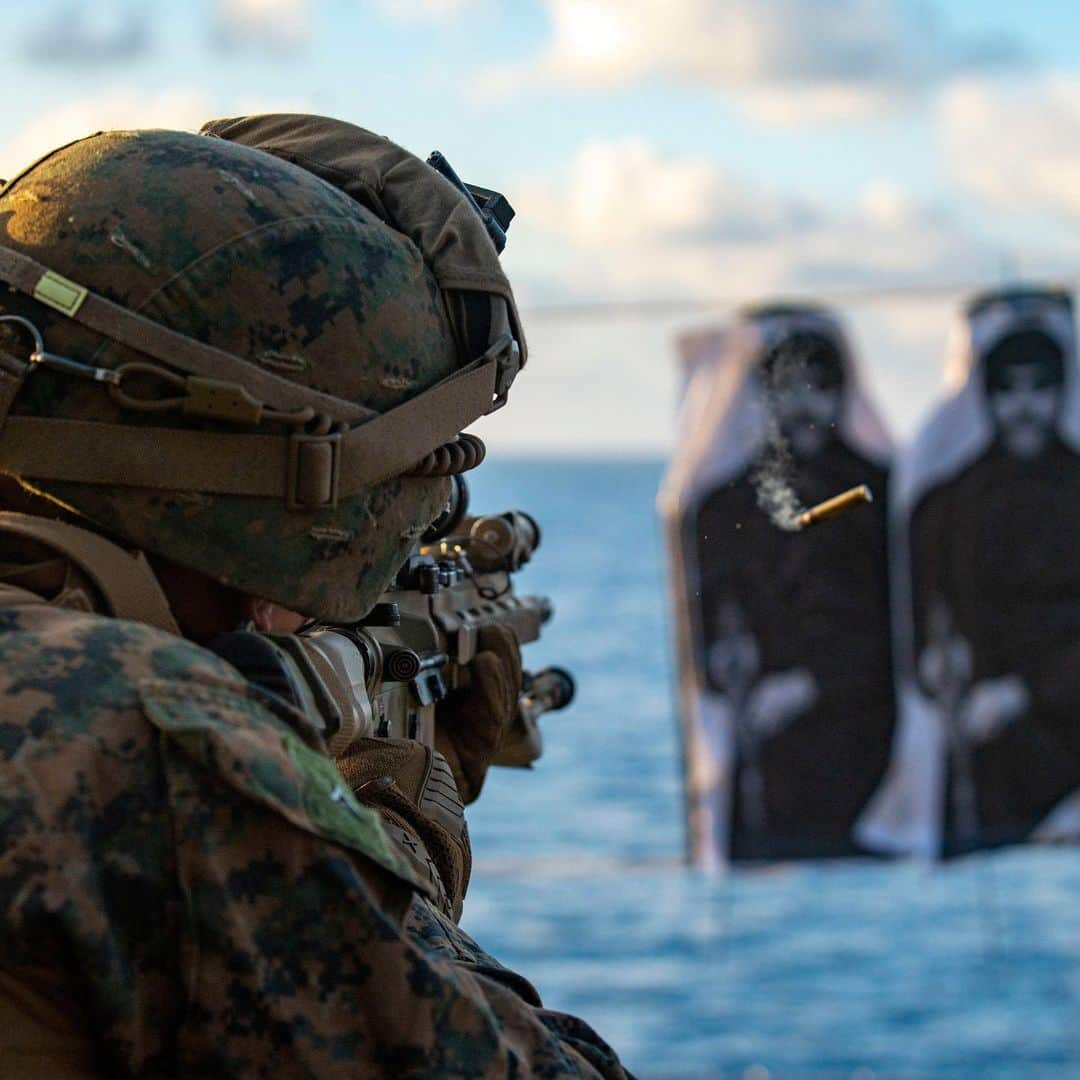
(124,578)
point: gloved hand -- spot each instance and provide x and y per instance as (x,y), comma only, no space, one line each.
(471,722)
(411,787)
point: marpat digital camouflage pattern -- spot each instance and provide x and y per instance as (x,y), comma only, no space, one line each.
(260,258)
(181,864)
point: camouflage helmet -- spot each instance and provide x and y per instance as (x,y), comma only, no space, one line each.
(233,364)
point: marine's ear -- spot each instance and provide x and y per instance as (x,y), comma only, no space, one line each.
(272,618)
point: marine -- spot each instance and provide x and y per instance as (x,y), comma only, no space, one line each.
(231,365)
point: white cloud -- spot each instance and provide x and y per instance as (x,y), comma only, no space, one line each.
(621,192)
(183,110)
(110,32)
(1017,144)
(785,61)
(634,223)
(419,10)
(274,24)
(123,108)
(886,203)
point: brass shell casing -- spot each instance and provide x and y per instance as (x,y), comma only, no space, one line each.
(838,504)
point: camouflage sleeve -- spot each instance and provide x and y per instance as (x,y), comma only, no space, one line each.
(582,1051)
(217,902)
(302,961)
(348,983)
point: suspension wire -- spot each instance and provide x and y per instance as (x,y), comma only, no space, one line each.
(853,296)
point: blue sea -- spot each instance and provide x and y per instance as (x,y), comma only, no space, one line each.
(860,970)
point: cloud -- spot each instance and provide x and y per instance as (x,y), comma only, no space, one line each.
(75,34)
(179,109)
(1016,144)
(621,192)
(420,10)
(277,25)
(785,61)
(632,222)
(645,232)
(117,32)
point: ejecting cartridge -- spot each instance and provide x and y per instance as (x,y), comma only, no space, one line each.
(838,504)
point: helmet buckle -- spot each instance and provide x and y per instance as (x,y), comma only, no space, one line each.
(507,354)
(314,472)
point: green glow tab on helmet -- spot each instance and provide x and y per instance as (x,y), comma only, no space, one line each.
(60,293)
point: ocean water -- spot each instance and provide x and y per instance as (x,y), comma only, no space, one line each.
(859,970)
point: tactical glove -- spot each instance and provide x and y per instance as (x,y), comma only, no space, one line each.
(411,787)
(471,722)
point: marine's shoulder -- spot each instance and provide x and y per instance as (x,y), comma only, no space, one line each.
(43,646)
(80,688)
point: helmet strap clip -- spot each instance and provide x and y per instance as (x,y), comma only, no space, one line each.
(58,363)
(314,471)
(507,354)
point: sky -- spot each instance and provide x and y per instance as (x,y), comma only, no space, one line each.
(668,159)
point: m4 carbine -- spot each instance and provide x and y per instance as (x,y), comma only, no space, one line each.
(385,675)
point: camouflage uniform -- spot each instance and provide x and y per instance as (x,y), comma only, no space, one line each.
(187,884)
(183,867)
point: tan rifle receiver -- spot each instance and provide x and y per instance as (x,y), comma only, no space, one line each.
(385,675)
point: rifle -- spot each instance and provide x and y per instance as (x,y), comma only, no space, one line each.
(385,675)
